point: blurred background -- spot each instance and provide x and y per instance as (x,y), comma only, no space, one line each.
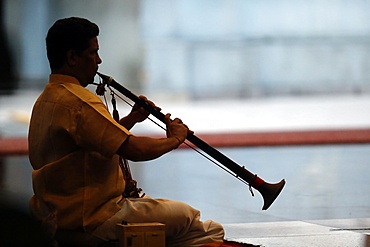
(207,48)
(223,66)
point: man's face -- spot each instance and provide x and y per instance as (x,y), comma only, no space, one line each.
(88,62)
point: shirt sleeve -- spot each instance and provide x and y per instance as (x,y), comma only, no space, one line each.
(96,129)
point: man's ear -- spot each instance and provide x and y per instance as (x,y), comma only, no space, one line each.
(71,58)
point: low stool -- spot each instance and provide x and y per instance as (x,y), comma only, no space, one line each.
(141,235)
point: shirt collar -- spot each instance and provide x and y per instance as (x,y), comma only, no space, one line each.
(59,78)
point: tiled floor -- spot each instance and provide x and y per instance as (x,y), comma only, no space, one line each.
(320,233)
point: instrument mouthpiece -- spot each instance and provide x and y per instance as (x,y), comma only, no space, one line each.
(106,78)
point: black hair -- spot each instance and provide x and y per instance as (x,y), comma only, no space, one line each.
(66,34)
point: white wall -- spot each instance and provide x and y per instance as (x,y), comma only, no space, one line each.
(208,48)
(245,48)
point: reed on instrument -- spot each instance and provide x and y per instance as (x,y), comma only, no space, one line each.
(268,191)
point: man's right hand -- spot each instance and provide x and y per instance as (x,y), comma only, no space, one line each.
(176,128)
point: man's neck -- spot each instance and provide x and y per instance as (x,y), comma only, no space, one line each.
(64,71)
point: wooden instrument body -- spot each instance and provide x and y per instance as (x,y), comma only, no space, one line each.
(268,191)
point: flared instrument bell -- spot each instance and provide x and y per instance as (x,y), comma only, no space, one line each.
(270,192)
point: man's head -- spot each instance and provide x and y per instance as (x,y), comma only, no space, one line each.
(72,48)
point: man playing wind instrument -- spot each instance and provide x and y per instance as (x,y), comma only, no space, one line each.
(75,145)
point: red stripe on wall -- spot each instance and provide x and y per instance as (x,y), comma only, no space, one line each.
(19,145)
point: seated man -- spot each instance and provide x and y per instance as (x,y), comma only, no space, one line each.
(74,149)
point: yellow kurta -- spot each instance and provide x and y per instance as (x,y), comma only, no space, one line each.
(72,144)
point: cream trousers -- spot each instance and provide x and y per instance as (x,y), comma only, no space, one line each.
(183,225)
